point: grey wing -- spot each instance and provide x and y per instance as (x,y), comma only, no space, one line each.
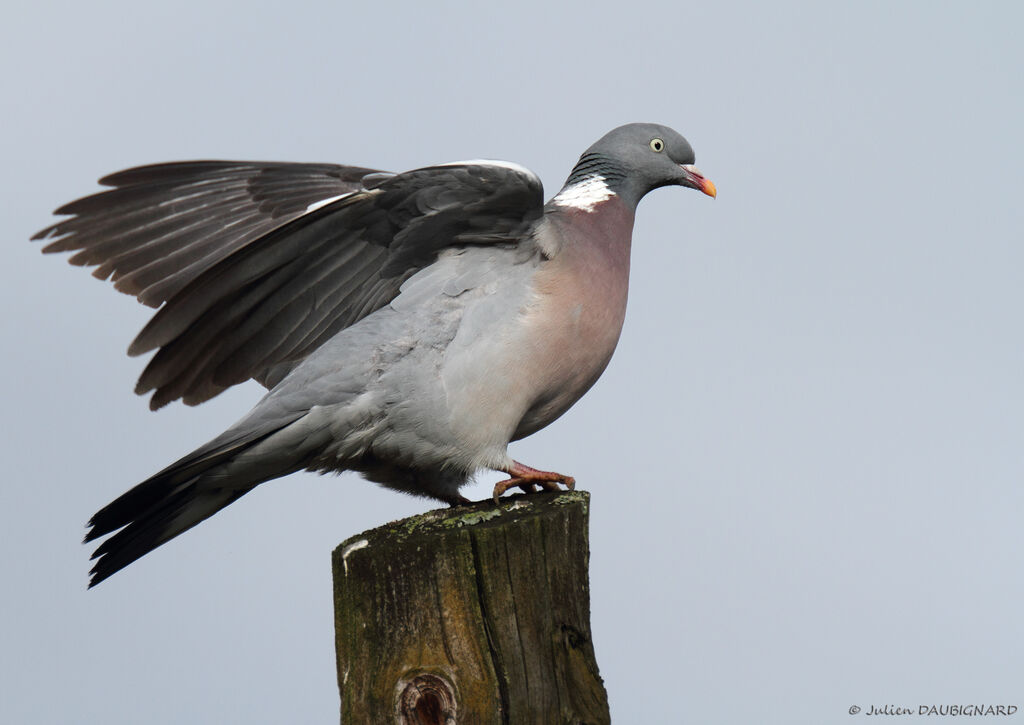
(280,291)
(163,225)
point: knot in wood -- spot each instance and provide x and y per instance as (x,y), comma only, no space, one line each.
(427,700)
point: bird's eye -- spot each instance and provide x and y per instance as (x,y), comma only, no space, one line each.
(657,145)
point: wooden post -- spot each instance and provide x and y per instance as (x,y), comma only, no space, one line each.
(472,615)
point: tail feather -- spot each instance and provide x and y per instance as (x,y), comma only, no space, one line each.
(178,512)
(124,509)
(149,494)
(174,500)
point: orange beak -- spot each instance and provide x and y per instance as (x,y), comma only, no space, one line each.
(697,180)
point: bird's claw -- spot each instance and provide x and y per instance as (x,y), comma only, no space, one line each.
(528,479)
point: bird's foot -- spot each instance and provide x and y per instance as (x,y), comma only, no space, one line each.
(528,479)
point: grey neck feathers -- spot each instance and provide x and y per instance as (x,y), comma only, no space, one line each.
(595,164)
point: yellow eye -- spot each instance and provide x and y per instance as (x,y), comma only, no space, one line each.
(657,145)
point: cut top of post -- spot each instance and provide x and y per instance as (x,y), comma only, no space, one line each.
(477,613)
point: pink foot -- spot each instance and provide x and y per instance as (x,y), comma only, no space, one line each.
(528,479)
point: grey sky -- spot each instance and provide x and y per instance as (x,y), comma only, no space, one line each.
(806,457)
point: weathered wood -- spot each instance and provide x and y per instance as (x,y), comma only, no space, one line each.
(476,614)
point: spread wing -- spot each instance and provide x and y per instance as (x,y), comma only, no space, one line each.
(163,225)
(258,264)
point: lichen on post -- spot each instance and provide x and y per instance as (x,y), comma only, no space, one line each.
(474,614)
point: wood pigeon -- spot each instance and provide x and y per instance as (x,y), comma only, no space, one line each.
(408,326)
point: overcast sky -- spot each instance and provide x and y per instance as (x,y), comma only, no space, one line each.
(806,457)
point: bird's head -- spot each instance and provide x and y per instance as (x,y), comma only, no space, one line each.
(640,157)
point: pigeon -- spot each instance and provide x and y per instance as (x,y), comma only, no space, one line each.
(408,326)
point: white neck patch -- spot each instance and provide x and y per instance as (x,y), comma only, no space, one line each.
(584,195)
